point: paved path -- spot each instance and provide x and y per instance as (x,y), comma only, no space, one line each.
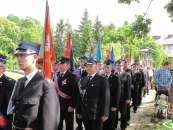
(142,119)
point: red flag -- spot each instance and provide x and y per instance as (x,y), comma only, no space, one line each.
(130,59)
(47,51)
(108,54)
(68,46)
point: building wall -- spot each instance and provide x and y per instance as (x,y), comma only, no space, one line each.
(167,43)
(169,49)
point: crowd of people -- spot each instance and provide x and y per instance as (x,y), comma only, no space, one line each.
(99,94)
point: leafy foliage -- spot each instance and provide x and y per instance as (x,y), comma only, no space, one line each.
(31,30)
(131,36)
(85,34)
(14,29)
(62,30)
(98,30)
(169,8)
(141,26)
(9,35)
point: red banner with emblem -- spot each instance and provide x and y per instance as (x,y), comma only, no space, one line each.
(47,52)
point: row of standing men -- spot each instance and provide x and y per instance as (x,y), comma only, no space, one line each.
(101,93)
(97,95)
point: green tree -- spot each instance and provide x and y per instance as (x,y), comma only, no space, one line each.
(60,37)
(60,29)
(98,30)
(140,29)
(141,26)
(9,29)
(12,30)
(85,34)
(127,37)
(31,30)
(109,34)
(9,35)
(123,33)
(158,53)
(14,19)
(169,8)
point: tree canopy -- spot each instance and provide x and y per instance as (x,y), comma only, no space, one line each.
(13,30)
(131,37)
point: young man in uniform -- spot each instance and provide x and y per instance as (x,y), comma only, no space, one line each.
(115,91)
(34,102)
(125,79)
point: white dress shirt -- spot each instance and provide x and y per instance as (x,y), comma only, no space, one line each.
(30,76)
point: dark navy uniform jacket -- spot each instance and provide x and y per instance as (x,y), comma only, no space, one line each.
(95,97)
(125,78)
(115,90)
(6,88)
(37,105)
(68,85)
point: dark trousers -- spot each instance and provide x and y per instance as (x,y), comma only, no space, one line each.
(128,112)
(68,117)
(123,112)
(135,97)
(110,124)
(79,123)
(140,91)
(93,125)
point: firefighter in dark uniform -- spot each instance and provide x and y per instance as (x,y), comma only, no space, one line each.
(135,87)
(67,92)
(34,102)
(95,98)
(144,77)
(6,88)
(127,69)
(115,90)
(80,73)
(139,83)
(125,94)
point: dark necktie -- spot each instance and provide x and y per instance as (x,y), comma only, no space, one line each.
(89,78)
(22,85)
(61,75)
